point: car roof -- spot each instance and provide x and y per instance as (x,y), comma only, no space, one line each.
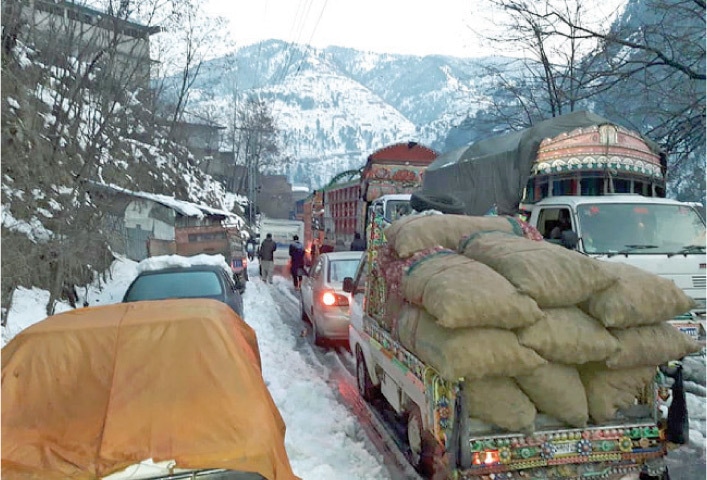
(355,255)
(190,268)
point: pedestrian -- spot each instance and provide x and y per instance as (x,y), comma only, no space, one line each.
(267,263)
(296,261)
(358,244)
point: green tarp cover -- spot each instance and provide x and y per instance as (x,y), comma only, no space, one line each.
(494,171)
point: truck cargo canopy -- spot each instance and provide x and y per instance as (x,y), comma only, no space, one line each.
(494,171)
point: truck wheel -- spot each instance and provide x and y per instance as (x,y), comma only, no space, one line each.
(436,201)
(366,389)
(414,436)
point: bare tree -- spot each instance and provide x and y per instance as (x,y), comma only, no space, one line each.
(189,39)
(75,81)
(646,70)
(546,78)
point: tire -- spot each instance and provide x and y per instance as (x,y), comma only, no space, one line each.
(305,318)
(414,437)
(421,201)
(316,338)
(366,389)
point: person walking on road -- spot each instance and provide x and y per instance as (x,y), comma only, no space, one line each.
(296,261)
(267,263)
(358,244)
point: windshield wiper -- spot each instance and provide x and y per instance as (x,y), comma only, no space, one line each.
(689,249)
(631,248)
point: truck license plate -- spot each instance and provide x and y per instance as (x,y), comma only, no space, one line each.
(565,448)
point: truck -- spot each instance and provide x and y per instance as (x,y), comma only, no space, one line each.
(283,232)
(441,438)
(334,213)
(610,180)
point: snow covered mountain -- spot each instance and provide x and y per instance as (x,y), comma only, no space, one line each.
(337,105)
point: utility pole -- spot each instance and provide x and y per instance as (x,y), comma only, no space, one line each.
(251,191)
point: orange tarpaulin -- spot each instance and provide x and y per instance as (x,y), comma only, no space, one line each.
(89,392)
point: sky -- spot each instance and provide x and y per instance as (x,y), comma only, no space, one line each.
(414,27)
(323,440)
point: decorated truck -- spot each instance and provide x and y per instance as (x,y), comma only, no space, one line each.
(336,212)
(503,356)
(441,322)
(608,182)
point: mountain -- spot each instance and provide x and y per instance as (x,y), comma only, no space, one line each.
(335,106)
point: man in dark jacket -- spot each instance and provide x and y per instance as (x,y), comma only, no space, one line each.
(267,263)
(296,261)
(358,244)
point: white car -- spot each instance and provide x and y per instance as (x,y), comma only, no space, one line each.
(324,303)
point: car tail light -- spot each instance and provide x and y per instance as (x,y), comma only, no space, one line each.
(333,299)
(487,457)
(245,262)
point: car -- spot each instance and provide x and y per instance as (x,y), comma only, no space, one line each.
(323,301)
(160,389)
(172,276)
(239,268)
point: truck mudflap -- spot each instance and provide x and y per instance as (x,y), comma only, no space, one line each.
(605,452)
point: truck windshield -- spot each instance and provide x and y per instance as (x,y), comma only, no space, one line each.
(640,228)
(395,209)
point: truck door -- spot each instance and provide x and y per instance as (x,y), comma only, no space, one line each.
(556,225)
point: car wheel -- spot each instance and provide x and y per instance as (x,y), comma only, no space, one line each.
(436,201)
(304,313)
(366,389)
(316,338)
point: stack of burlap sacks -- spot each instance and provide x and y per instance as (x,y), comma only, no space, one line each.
(531,326)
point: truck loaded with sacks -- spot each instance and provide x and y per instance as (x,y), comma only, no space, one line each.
(509,357)
(603,184)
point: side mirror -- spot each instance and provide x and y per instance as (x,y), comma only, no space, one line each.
(348,285)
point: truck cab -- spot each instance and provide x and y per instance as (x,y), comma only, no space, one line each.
(662,236)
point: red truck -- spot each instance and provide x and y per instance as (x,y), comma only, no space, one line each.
(333,214)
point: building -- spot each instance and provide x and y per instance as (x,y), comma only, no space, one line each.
(141,225)
(89,35)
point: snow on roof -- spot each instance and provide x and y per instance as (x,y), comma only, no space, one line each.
(167,261)
(188,209)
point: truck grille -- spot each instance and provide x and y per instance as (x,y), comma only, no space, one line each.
(698,281)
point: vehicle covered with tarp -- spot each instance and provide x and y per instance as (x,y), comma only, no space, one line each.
(494,172)
(90,392)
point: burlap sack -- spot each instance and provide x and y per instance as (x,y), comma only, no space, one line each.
(570,336)
(460,292)
(650,345)
(417,232)
(464,352)
(557,390)
(637,298)
(552,275)
(499,401)
(610,390)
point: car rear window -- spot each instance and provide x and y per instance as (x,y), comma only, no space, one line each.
(158,286)
(340,269)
